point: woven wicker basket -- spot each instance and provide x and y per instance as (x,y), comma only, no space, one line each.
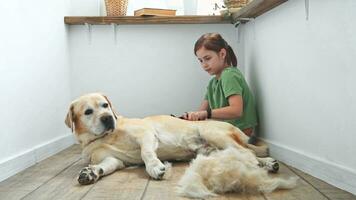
(116,7)
(235,3)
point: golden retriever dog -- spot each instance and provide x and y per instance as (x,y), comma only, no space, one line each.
(229,170)
(111,142)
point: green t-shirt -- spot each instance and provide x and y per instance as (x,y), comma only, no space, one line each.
(232,82)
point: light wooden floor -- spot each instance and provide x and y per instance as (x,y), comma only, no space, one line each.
(55,178)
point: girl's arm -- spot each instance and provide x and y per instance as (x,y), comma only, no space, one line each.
(233,111)
(198,115)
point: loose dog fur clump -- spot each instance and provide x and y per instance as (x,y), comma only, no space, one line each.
(229,170)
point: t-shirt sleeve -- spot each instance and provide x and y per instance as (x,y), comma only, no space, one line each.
(231,84)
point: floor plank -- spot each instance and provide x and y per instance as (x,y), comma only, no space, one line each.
(328,190)
(165,189)
(303,190)
(63,186)
(127,184)
(33,177)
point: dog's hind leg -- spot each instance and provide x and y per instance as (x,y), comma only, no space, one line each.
(242,140)
(260,151)
(199,145)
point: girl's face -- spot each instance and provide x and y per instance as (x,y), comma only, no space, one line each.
(211,61)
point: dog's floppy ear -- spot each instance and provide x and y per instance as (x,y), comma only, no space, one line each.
(111,107)
(69,118)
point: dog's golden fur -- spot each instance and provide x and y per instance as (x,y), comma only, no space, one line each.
(111,142)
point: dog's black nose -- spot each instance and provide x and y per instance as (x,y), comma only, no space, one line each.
(108,121)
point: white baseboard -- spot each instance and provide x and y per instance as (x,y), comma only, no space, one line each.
(334,174)
(23,160)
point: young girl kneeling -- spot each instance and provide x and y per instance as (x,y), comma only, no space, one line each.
(228,96)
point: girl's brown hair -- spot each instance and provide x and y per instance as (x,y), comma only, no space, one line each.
(214,42)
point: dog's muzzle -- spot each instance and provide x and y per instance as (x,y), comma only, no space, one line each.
(108,122)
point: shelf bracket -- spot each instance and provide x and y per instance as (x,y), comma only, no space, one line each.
(238,32)
(99,7)
(237,24)
(114,28)
(242,20)
(88,32)
(306,9)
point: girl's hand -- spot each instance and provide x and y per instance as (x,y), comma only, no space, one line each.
(195,116)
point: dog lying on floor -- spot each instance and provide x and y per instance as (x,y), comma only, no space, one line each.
(111,142)
(229,170)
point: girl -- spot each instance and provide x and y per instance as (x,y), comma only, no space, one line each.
(228,96)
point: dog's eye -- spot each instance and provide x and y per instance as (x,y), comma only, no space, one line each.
(105,105)
(88,111)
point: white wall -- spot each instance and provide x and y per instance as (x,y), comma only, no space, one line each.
(150,70)
(97,7)
(34,82)
(303,74)
(182,7)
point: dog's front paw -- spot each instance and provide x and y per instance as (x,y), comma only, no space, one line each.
(156,171)
(89,175)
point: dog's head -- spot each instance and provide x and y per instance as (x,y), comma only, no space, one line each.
(91,113)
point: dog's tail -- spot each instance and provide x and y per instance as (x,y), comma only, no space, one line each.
(271,184)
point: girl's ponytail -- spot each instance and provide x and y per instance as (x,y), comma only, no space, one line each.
(231,57)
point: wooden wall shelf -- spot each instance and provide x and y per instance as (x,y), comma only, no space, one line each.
(148,20)
(252,10)
(255,9)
